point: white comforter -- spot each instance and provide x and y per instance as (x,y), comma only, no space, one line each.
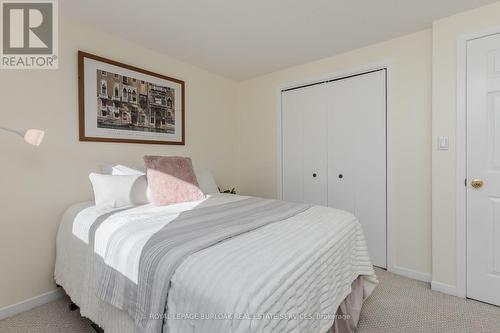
(289,276)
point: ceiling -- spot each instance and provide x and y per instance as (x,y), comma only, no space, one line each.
(243,39)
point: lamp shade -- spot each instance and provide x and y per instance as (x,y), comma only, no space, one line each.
(34,136)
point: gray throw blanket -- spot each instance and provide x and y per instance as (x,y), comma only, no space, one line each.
(190,232)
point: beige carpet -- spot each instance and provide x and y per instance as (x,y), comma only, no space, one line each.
(408,306)
(398,305)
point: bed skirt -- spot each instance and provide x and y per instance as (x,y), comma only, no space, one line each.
(348,313)
(347,316)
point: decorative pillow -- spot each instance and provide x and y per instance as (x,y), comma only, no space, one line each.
(172,179)
(119,191)
(206,182)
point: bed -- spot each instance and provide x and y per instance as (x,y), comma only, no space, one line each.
(299,269)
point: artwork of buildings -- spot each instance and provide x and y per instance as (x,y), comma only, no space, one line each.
(130,104)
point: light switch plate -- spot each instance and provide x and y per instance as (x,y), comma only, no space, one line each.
(443,143)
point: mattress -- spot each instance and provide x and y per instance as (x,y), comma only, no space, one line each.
(288,276)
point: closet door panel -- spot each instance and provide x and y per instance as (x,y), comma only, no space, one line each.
(357,151)
(372,186)
(304,145)
(292,146)
(341,121)
(315,148)
(370,165)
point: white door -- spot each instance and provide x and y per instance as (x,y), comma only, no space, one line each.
(483,165)
(357,154)
(304,145)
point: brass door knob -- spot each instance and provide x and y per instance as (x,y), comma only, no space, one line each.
(477,183)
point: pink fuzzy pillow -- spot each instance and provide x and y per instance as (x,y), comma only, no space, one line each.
(172,179)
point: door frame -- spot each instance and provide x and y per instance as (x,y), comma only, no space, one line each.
(460,289)
(340,74)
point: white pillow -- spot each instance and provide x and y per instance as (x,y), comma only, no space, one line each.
(119,191)
(123,170)
(119,169)
(206,182)
(205,178)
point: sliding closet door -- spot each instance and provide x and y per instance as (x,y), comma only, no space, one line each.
(304,145)
(357,154)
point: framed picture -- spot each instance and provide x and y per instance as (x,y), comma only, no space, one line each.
(122,103)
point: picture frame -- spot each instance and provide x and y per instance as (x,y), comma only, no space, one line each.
(127,104)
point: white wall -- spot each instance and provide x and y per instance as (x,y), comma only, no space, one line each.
(37,184)
(409,131)
(445,35)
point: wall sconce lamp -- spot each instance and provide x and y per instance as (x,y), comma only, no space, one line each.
(32,136)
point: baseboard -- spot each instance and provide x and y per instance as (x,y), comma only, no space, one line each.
(409,273)
(30,303)
(446,289)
